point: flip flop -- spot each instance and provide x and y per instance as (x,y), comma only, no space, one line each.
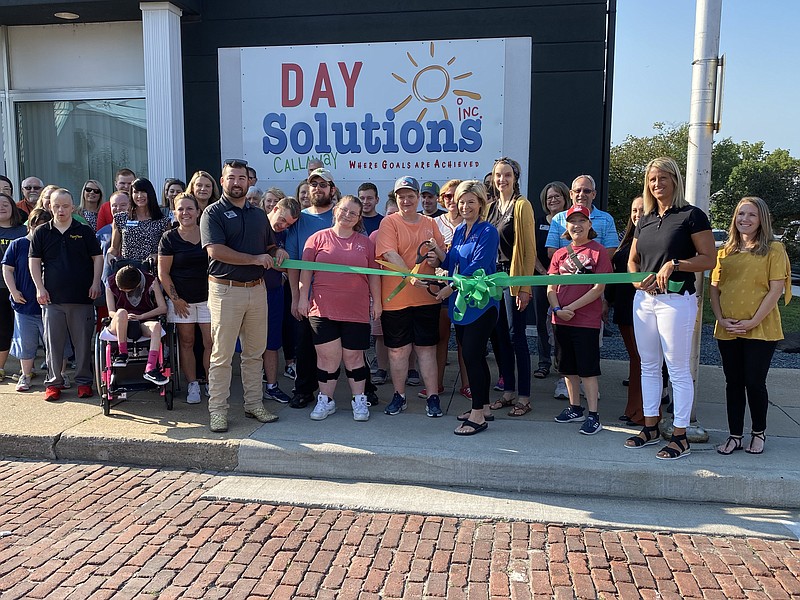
(476,428)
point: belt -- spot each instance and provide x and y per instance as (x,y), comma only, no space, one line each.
(234,283)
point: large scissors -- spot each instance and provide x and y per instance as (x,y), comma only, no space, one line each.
(432,285)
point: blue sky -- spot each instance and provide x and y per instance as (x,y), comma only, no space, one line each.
(653,73)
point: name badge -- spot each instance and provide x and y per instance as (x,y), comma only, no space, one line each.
(131,223)
(230,214)
(544,227)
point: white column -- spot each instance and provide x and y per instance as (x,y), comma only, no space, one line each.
(163,80)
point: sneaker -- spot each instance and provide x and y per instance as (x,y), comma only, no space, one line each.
(156,376)
(571,413)
(219,423)
(277,394)
(360,408)
(372,399)
(413,377)
(290,372)
(591,425)
(67,383)
(52,393)
(561,392)
(423,393)
(43,366)
(204,387)
(500,386)
(397,405)
(121,360)
(433,408)
(373,365)
(325,407)
(193,393)
(380,377)
(24,383)
(261,414)
(466,391)
(300,400)
(85,391)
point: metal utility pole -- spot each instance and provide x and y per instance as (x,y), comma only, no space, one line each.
(702,125)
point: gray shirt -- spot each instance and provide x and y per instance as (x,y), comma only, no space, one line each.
(241,229)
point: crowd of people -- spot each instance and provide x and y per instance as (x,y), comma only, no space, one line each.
(209,257)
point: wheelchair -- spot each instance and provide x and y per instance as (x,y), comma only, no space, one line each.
(115,384)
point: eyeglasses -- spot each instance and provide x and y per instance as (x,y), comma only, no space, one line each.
(584,190)
(350,213)
(319,184)
(31,187)
(89,190)
(446,196)
(554,197)
(236,163)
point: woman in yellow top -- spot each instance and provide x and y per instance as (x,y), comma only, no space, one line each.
(751,274)
(512,215)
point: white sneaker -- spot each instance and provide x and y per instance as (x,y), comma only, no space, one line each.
(324,408)
(24,383)
(360,408)
(67,383)
(561,392)
(193,393)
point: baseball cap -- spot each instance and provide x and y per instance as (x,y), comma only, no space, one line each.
(577,208)
(431,187)
(406,182)
(324,173)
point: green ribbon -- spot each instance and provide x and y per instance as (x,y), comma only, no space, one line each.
(478,289)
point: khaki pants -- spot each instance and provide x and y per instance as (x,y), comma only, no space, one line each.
(236,312)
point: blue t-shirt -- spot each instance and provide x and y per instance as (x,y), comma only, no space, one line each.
(16,256)
(307,225)
(371,223)
(602,223)
(478,251)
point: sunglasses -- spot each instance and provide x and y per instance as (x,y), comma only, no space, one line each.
(236,163)
(31,187)
(446,196)
(584,190)
(89,190)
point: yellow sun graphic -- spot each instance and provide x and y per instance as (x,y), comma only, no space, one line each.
(431,84)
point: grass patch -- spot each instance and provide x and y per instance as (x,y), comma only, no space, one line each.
(790,315)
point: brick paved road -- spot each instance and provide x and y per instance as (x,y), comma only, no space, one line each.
(96,531)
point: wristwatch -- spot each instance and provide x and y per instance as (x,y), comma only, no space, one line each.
(676,264)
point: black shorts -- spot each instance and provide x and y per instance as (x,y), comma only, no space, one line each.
(418,325)
(354,336)
(579,350)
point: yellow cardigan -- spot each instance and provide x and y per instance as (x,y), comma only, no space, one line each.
(523,257)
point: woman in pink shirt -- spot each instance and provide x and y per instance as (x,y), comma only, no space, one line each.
(338,306)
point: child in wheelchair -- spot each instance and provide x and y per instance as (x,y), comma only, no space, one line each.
(135,301)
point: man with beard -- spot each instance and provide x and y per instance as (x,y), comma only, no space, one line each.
(240,245)
(315,218)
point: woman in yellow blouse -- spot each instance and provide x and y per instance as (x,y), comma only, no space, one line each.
(752,273)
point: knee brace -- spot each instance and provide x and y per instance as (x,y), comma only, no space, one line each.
(323,376)
(359,374)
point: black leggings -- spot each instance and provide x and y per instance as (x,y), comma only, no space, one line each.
(746,364)
(473,339)
(6,321)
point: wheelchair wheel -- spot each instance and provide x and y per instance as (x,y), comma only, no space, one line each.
(168,399)
(106,404)
(98,365)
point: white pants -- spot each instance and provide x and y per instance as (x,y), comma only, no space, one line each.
(664,325)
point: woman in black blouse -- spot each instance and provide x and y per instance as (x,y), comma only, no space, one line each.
(673,240)
(183,271)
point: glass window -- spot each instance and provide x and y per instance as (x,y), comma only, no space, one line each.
(68,142)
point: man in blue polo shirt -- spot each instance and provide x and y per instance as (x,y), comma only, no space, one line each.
(240,245)
(66,263)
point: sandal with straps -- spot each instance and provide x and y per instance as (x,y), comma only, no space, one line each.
(675,453)
(731,445)
(503,402)
(651,436)
(753,436)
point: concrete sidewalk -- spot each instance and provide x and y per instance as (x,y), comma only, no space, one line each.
(530,454)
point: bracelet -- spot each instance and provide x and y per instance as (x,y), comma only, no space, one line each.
(556,309)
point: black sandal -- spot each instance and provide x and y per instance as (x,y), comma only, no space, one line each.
(726,448)
(753,435)
(541,373)
(651,436)
(675,453)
